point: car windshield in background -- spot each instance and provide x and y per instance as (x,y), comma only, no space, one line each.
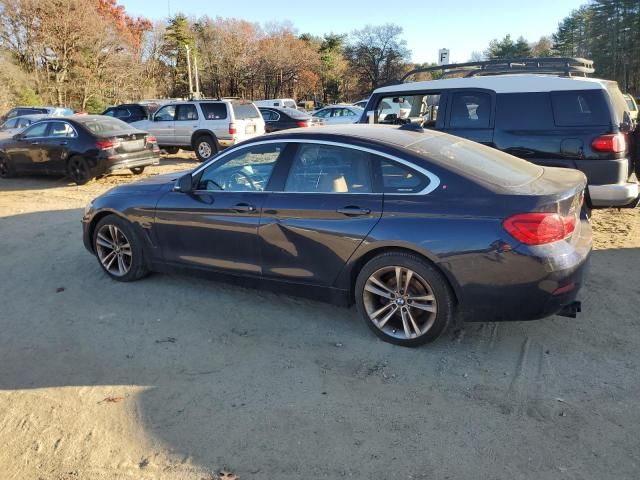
(104,126)
(480,162)
(244,111)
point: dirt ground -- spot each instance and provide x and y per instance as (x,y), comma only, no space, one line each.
(181,378)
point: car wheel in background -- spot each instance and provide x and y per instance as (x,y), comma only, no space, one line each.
(118,249)
(137,170)
(403,299)
(6,170)
(171,150)
(78,170)
(205,147)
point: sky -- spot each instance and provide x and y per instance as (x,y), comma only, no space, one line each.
(462,26)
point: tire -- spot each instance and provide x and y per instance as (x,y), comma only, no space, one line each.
(137,170)
(78,170)
(6,169)
(171,150)
(205,147)
(424,311)
(121,263)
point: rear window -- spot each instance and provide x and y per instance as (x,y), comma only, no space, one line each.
(214,111)
(104,126)
(297,114)
(580,108)
(524,111)
(470,159)
(243,111)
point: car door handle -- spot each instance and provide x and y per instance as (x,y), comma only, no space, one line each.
(35,143)
(64,142)
(244,208)
(353,211)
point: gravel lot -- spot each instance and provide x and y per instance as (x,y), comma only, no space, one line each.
(180,378)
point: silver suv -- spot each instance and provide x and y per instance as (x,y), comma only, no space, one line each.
(205,126)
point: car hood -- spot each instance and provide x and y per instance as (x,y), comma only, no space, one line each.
(150,184)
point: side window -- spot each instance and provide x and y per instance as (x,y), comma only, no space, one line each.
(166,114)
(523,111)
(36,131)
(10,123)
(214,111)
(319,168)
(23,122)
(246,170)
(470,110)
(121,113)
(60,129)
(578,108)
(398,178)
(421,109)
(187,112)
(323,113)
(110,113)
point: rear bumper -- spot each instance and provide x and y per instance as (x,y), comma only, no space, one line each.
(122,164)
(617,195)
(536,282)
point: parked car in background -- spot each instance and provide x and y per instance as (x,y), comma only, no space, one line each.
(361,103)
(50,111)
(17,124)
(205,126)
(411,226)
(81,147)
(339,114)
(552,119)
(277,102)
(276,118)
(633,106)
(128,112)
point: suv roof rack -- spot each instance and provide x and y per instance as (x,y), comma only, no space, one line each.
(565,66)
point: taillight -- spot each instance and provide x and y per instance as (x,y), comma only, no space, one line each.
(232,129)
(614,143)
(150,139)
(105,144)
(302,124)
(540,227)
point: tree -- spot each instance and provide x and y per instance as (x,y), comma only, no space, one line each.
(507,48)
(378,55)
(178,36)
(542,48)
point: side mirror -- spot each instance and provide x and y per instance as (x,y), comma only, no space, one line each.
(18,136)
(184,184)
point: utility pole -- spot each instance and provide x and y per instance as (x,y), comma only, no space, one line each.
(195,68)
(189,70)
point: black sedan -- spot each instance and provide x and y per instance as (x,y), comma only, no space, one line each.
(414,227)
(81,147)
(276,118)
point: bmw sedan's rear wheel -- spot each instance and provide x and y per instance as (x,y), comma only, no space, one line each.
(78,170)
(118,249)
(403,299)
(6,170)
(206,147)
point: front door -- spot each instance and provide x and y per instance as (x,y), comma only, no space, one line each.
(27,153)
(326,209)
(216,226)
(163,125)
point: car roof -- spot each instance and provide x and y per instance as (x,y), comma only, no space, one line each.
(33,116)
(513,83)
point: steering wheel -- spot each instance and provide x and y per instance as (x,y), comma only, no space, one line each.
(236,178)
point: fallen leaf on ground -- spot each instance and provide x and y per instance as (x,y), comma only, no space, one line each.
(59,289)
(166,340)
(111,400)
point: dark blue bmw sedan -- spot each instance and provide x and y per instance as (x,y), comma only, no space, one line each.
(415,227)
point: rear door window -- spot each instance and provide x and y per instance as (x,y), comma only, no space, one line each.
(580,108)
(245,111)
(187,112)
(411,108)
(470,110)
(398,178)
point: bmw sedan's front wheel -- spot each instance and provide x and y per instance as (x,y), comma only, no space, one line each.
(118,249)
(403,299)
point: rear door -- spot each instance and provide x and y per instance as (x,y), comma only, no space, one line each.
(470,115)
(186,122)
(57,145)
(325,208)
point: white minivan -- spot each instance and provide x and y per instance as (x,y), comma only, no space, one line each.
(277,102)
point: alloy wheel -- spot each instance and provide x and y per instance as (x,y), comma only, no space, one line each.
(4,168)
(204,149)
(399,302)
(114,250)
(78,170)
